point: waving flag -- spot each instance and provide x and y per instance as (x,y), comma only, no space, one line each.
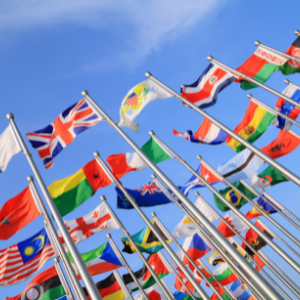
(153,293)
(204,92)
(292,66)
(51,140)
(215,259)
(179,286)
(182,296)
(240,291)
(223,274)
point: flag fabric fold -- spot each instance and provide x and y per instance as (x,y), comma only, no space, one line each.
(153,293)
(240,291)
(182,296)
(292,66)
(223,274)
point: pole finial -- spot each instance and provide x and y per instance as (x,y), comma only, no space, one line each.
(153,214)
(103,198)
(45,222)
(29,178)
(148,74)
(249,96)
(197,194)
(199,157)
(84,93)
(297,32)
(210,58)
(108,236)
(56,259)
(287,81)
(151,132)
(96,154)
(153,176)
(10,116)
(257,43)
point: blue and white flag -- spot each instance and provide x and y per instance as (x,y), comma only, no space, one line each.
(240,291)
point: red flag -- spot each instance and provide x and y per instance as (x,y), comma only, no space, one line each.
(16,213)
(178,285)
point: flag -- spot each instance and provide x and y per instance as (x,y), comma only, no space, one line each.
(109,289)
(215,259)
(153,293)
(287,108)
(144,276)
(260,66)
(235,222)
(44,286)
(254,239)
(204,92)
(186,227)
(222,292)
(208,133)
(285,143)
(20,261)
(292,66)
(234,197)
(82,228)
(223,274)
(238,247)
(121,164)
(98,261)
(254,124)
(240,291)
(267,178)
(16,213)
(51,140)
(179,286)
(72,191)
(8,147)
(182,296)
(145,240)
(241,166)
(136,99)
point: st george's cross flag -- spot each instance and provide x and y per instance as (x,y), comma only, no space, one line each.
(96,221)
(208,133)
(20,261)
(292,66)
(52,139)
(204,92)
(136,99)
(17,212)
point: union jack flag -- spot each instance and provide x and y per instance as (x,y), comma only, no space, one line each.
(150,188)
(50,140)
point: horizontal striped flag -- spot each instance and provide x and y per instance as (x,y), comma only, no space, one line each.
(153,293)
(292,66)
(223,274)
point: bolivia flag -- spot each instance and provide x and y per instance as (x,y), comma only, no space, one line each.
(72,191)
(98,261)
(253,125)
(223,274)
(292,66)
(45,286)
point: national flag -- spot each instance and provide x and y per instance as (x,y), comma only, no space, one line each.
(285,143)
(182,296)
(287,108)
(204,92)
(98,261)
(44,286)
(8,147)
(260,66)
(136,99)
(254,239)
(223,274)
(179,286)
(52,139)
(153,293)
(82,228)
(144,276)
(208,133)
(234,197)
(215,259)
(145,240)
(238,247)
(186,227)
(241,166)
(72,191)
(240,291)
(20,261)
(254,124)
(109,289)
(292,66)
(222,292)
(121,164)
(267,178)
(17,212)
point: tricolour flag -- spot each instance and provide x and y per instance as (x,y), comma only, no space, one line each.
(260,66)
(72,191)
(144,276)
(98,261)
(153,293)
(254,124)
(215,259)
(240,291)
(136,99)
(8,147)
(292,66)
(82,228)
(223,274)
(52,139)
(17,212)
(208,133)
(45,286)
(182,296)
(20,261)
(204,92)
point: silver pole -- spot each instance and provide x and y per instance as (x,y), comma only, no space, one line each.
(86,277)
(121,283)
(287,173)
(258,279)
(138,251)
(116,250)
(60,251)
(288,82)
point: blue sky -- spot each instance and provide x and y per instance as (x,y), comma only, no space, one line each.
(51,51)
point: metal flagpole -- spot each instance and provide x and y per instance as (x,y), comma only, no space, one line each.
(297,32)
(122,285)
(170,251)
(60,251)
(287,173)
(283,254)
(138,251)
(258,279)
(288,82)
(119,254)
(86,277)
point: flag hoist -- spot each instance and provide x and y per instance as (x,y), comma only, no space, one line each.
(86,277)
(260,281)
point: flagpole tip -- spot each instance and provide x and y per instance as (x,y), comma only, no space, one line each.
(29,178)
(197,194)
(103,198)
(153,176)
(199,157)
(10,116)
(257,43)
(287,81)
(108,236)
(96,154)
(210,58)
(297,32)
(151,132)
(84,93)
(249,96)
(56,259)
(153,214)
(148,74)
(45,222)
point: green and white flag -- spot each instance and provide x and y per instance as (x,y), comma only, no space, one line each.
(8,148)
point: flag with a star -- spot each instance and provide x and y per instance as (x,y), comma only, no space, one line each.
(70,192)
(21,260)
